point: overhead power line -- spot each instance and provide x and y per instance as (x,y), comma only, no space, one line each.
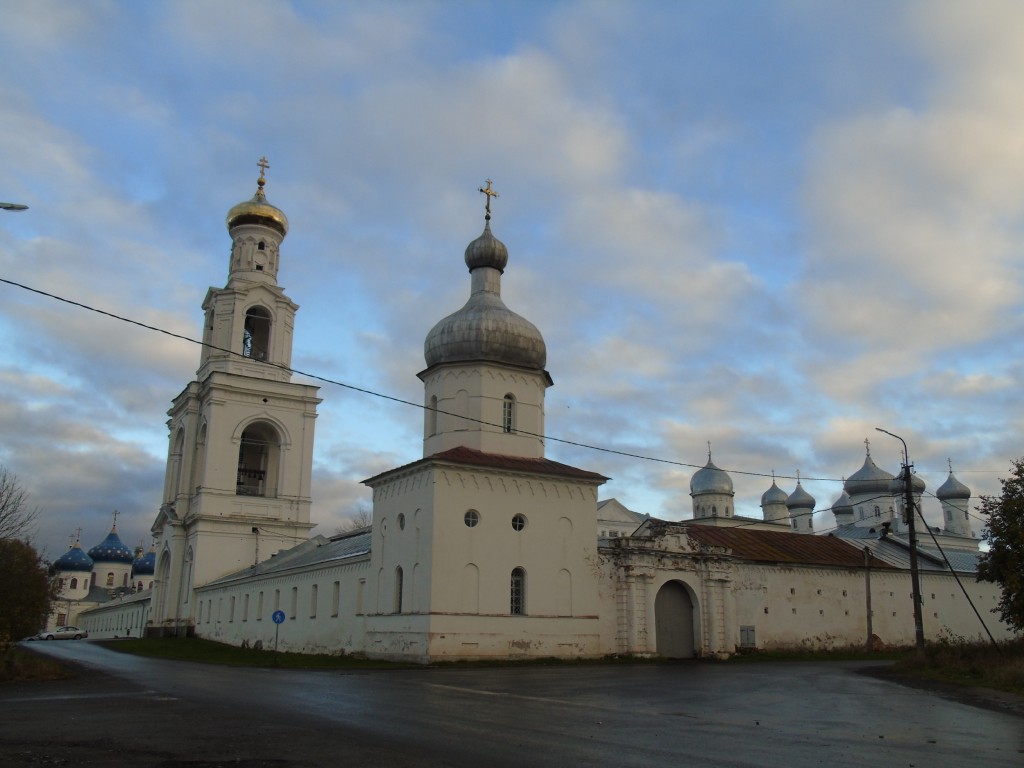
(402,401)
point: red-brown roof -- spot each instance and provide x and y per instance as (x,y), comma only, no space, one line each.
(782,547)
(472,457)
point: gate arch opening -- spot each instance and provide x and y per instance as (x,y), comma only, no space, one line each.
(674,609)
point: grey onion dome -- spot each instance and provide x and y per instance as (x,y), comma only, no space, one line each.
(73,560)
(111,550)
(773,495)
(952,489)
(842,505)
(710,479)
(485,330)
(800,499)
(870,478)
(487,251)
(916,483)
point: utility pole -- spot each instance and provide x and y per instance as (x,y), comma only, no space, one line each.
(911,513)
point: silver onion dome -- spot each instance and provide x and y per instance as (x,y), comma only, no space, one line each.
(868,479)
(952,489)
(485,329)
(773,495)
(800,499)
(710,479)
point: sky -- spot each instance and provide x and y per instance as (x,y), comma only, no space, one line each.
(767,226)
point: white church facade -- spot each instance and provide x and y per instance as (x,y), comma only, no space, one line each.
(485,548)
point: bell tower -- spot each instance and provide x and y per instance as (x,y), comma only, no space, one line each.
(239,465)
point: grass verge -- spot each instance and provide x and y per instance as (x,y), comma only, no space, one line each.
(210,652)
(18,665)
(969,664)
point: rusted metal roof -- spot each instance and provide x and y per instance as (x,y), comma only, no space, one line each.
(781,547)
(475,458)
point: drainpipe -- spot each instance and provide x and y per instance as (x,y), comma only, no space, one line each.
(868,645)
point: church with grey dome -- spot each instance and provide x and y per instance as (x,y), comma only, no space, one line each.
(483,547)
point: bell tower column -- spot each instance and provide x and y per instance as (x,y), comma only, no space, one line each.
(240,460)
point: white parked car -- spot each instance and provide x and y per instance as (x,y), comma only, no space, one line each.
(63,633)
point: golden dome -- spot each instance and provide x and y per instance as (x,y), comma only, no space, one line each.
(258,210)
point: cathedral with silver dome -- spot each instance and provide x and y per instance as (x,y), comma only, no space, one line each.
(484,548)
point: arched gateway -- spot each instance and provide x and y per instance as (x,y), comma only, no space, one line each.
(673,619)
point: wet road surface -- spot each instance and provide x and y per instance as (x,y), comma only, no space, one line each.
(134,711)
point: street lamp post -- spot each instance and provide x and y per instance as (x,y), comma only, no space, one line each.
(915,576)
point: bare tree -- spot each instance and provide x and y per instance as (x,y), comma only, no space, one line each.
(17,519)
(362,517)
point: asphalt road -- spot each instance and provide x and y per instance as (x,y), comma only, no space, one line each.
(130,711)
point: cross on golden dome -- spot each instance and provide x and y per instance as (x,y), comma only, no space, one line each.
(263,165)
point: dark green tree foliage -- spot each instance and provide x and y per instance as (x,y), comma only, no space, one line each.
(26,590)
(1004,562)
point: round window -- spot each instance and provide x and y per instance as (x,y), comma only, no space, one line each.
(471,518)
(518,522)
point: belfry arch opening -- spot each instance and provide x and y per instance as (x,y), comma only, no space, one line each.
(258,460)
(256,335)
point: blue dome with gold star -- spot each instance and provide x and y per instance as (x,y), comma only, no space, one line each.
(145,565)
(111,550)
(73,560)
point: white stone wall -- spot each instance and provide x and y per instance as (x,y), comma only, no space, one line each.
(121,617)
(322,606)
(785,607)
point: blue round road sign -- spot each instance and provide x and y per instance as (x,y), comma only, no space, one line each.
(278,617)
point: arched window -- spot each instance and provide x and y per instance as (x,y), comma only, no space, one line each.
(74,583)
(110,579)
(398,589)
(199,465)
(517,602)
(124,581)
(257,461)
(256,335)
(508,414)
(432,416)
(878,511)
(714,511)
(174,466)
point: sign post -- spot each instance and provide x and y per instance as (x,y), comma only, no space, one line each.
(278,617)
